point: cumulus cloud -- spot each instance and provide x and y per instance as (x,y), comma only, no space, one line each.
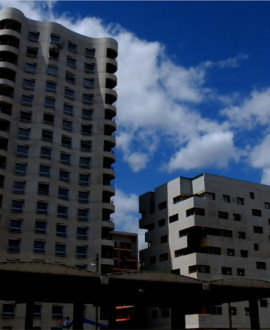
(215,148)
(126,216)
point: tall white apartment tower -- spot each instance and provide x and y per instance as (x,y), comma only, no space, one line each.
(210,227)
(57,109)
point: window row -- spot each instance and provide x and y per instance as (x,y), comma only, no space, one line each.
(41,227)
(48,117)
(51,86)
(62,211)
(24,133)
(46,152)
(43,188)
(55,39)
(39,246)
(50,102)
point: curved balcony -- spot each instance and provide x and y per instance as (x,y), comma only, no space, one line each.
(112,53)
(5,108)
(3,161)
(10,24)
(111,81)
(8,59)
(110,96)
(108,206)
(3,145)
(6,92)
(109,127)
(110,111)
(107,242)
(9,40)
(107,224)
(111,66)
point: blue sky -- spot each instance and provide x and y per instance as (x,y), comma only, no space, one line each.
(193,88)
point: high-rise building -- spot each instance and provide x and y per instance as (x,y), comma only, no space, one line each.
(209,227)
(57,109)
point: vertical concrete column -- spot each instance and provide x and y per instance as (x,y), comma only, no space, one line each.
(78,315)
(178,317)
(28,321)
(254,314)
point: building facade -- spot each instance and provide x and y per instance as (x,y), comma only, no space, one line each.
(209,227)
(57,110)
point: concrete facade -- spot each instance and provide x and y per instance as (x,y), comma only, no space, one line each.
(210,227)
(57,110)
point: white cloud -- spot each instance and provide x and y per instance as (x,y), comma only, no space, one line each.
(126,216)
(211,149)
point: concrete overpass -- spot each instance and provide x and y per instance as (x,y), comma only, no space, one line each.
(40,282)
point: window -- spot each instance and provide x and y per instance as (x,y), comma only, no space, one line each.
(70,77)
(226,198)
(258,229)
(83,196)
(240,271)
(61,230)
(69,93)
(63,193)
(48,118)
(47,135)
(51,86)
(199,269)
(64,175)
(53,54)
(162,206)
(267,205)
(49,102)
(43,188)
(52,70)
(55,39)
(164,239)
(67,125)
(256,247)
(86,129)
(252,195)
(57,312)
(60,249)
(37,311)
(14,245)
(90,52)
(194,211)
(20,168)
(30,67)
(72,47)
(88,83)
(241,235)
(236,217)
(25,116)
(215,310)
(261,265)
(15,225)
(87,114)
(87,98)
(161,223)
(173,218)
(84,179)
(81,251)
(22,151)
(17,206)
(42,207)
(68,109)
(177,199)
(8,311)
(66,141)
(62,211)
(85,162)
(19,187)
(32,51)
(256,212)
(244,253)
(24,133)
(223,215)
(39,247)
(71,62)
(29,84)
(89,67)
(44,170)
(83,214)
(65,158)
(226,270)
(240,200)
(163,257)
(86,145)
(40,227)
(82,232)
(46,152)
(27,100)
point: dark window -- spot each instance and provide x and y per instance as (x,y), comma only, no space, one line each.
(258,229)
(32,51)
(162,206)
(40,227)
(15,225)
(223,215)
(62,211)
(226,198)
(60,249)
(61,230)
(199,269)
(226,270)
(173,218)
(256,212)
(240,200)
(261,265)
(39,247)
(240,271)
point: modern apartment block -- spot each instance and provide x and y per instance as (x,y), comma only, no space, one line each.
(209,227)
(57,109)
